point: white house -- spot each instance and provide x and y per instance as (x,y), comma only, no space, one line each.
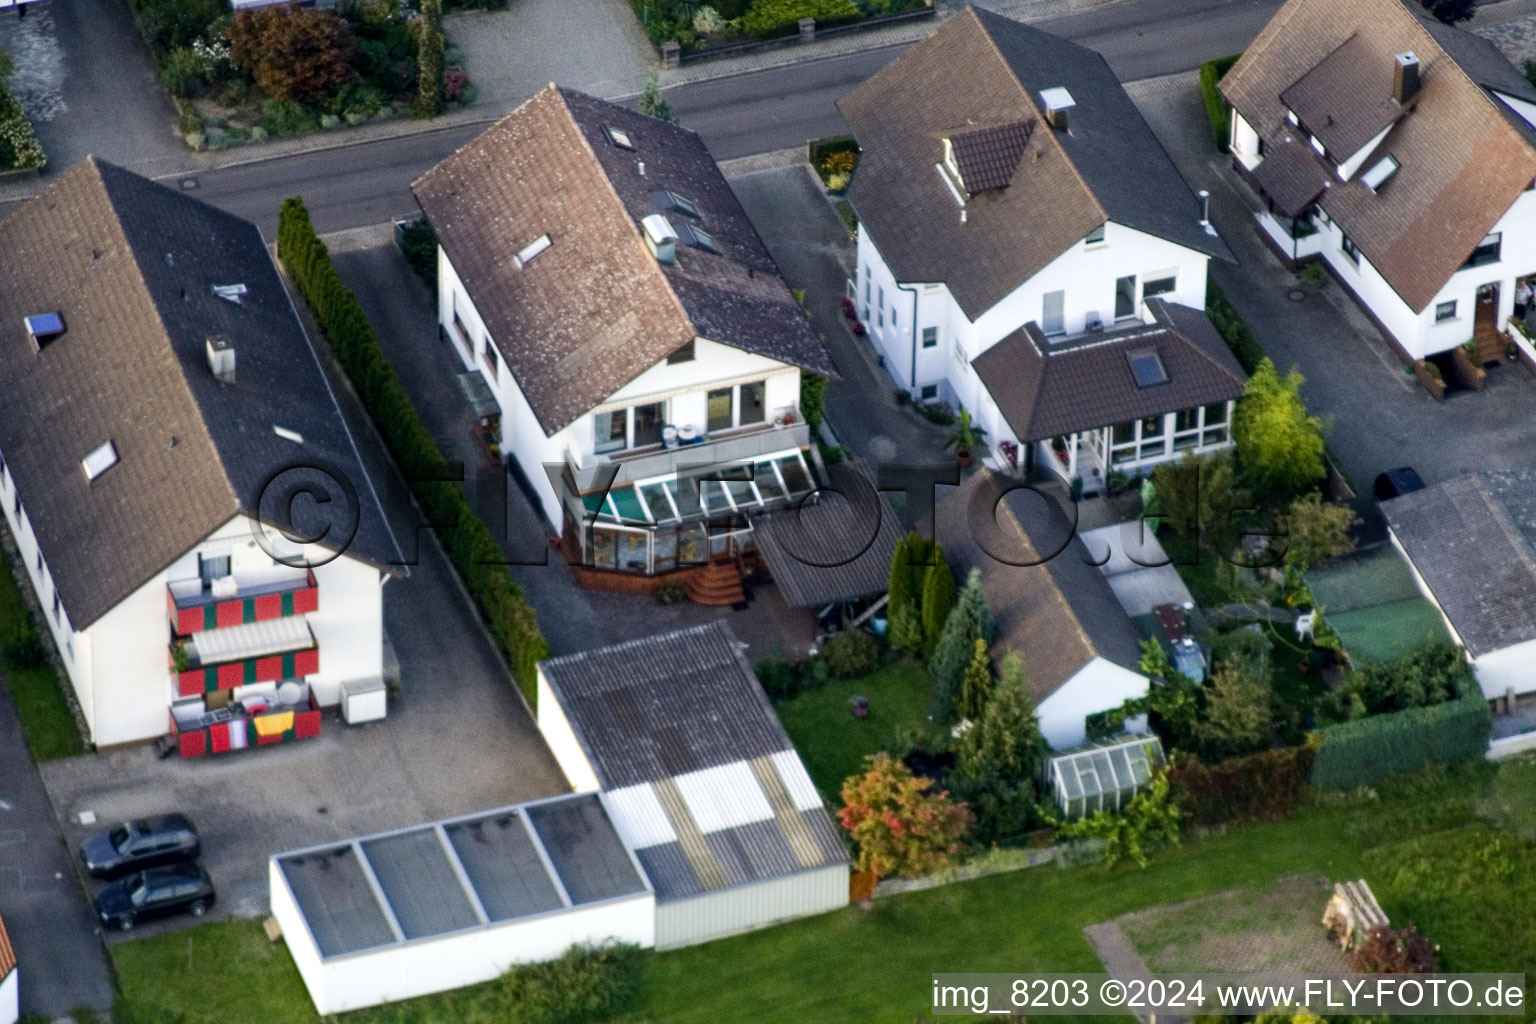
(1399,151)
(1005,179)
(700,779)
(1471,543)
(10,981)
(1052,605)
(183,491)
(597,273)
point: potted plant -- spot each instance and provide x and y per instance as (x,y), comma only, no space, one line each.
(1116,481)
(964,439)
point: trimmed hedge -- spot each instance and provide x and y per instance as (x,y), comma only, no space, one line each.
(470,545)
(1267,786)
(1361,752)
(1215,105)
(768,18)
(1234,330)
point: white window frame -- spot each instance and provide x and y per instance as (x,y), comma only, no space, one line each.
(629,425)
(930,337)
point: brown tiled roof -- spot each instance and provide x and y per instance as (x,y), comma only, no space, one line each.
(1057,616)
(131,266)
(595,310)
(981,71)
(1346,98)
(1292,174)
(1049,389)
(988,157)
(1462,160)
(7,953)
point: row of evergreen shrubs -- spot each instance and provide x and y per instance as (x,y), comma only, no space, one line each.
(1234,330)
(470,545)
(1368,749)
(1215,106)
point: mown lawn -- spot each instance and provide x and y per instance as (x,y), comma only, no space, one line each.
(1439,852)
(833,743)
(46,720)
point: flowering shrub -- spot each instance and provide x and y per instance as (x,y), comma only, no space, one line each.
(454,81)
(900,827)
(19,148)
(1393,951)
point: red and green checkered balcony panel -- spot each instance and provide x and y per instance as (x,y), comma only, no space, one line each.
(272,669)
(241,610)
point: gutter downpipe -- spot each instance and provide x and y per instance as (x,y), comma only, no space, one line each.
(912,376)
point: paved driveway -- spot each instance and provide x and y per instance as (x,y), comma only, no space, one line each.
(1381,418)
(60,959)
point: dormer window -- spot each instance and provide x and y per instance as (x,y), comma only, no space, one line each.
(99,460)
(619,137)
(44,328)
(669,200)
(526,254)
(1380,173)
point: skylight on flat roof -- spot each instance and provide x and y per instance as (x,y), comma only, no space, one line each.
(45,327)
(1379,173)
(1148,368)
(619,137)
(99,460)
(529,251)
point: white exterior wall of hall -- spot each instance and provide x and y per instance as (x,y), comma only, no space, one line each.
(744,908)
(1085,274)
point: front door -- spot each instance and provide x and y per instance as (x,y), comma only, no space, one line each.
(1486,316)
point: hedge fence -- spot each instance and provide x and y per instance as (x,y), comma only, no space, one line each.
(1361,752)
(470,545)
(1234,330)
(1267,786)
(1215,105)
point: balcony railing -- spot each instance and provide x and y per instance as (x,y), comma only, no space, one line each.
(737,445)
(258,653)
(198,731)
(193,609)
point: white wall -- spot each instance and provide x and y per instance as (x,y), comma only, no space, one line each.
(1511,668)
(409,969)
(349,626)
(557,732)
(1244,142)
(10,1001)
(1098,686)
(744,908)
(1085,273)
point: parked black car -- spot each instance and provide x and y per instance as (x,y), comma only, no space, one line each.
(135,845)
(1395,483)
(155,893)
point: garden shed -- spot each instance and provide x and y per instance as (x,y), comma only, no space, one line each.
(1102,776)
(701,779)
(439,906)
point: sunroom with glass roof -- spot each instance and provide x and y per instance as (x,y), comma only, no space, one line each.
(1102,776)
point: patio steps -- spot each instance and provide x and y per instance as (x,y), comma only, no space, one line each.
(1490,343)
(717,585)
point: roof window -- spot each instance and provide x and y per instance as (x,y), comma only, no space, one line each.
(99,460)
(1379,173)
(619,137)
(697,237)
(1147,366)
(45,328)
(526,254)
(669,200)
(288,435)
(230,292)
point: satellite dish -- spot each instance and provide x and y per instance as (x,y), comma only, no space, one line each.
(289,693)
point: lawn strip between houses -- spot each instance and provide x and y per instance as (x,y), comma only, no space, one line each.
(34,685)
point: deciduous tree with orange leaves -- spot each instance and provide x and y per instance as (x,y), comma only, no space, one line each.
(901,828)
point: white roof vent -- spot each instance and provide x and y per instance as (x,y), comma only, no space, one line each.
(526,254)
(1058,106)
(230,292)
(660,237)
(288,435)
(99,460)
(221,358)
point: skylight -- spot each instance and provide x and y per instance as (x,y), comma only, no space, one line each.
(529,251)
(99,460)
(1148,368)
(288,435)
(619,137)
(44,328)
(1379,173)
(669,200)
(230,292)
(698,238)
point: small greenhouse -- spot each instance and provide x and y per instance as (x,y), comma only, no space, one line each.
(1102,776)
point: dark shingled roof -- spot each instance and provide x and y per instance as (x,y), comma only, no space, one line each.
(131,265)
(1058,616)
(1464,157)
(665,705)
(1346,98)
(595,310)
(1292,174)
(1473,542)
(981,70)
(988,157)
(808,547)
(1049,389)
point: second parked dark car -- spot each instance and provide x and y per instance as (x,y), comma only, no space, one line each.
(155,893)
(145,843)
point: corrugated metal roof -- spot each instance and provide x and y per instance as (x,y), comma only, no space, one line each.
(724,797)
(639,817)
(797,781)
(233,643)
